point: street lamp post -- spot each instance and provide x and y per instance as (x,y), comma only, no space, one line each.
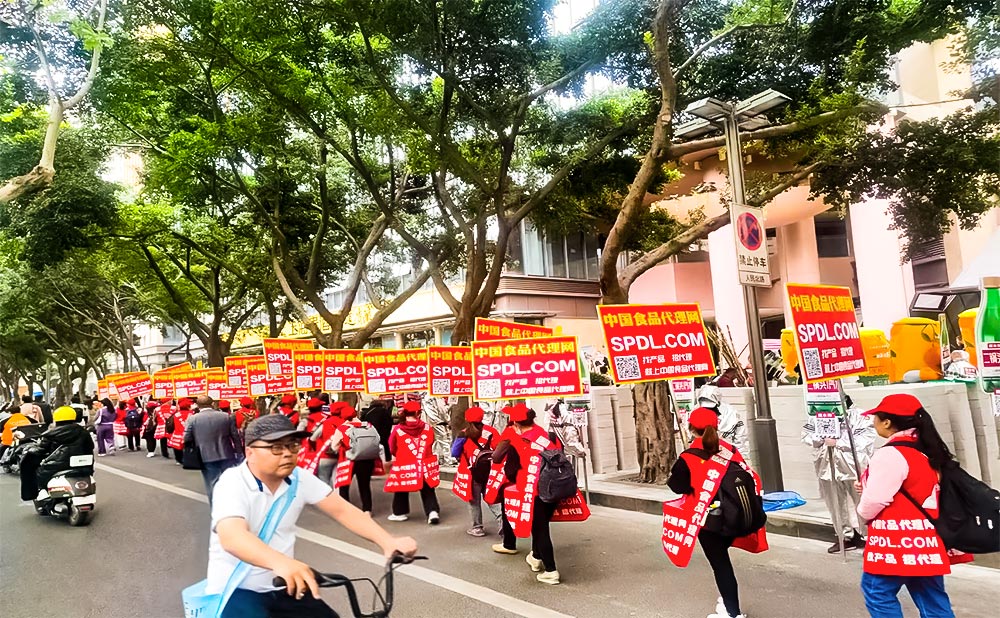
(762,426)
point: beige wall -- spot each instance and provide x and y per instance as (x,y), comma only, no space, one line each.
(587,332)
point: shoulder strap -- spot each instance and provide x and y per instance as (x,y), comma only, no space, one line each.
(913,445)
(274,516)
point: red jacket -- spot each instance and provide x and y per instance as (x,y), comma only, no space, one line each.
(176,439)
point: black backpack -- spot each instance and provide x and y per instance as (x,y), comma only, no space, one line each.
(482,464)
(133,419)
(969,510)
(556,479)
(741,510)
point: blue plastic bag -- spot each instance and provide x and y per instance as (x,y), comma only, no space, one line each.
(781,500)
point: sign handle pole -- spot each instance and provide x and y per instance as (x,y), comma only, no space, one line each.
(837,525)
(681,430)
(850,429)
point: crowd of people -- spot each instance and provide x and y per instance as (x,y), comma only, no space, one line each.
(251,448)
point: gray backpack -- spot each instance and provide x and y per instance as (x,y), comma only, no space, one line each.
(364,443)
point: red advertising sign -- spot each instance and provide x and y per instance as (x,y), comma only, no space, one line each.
(539,367)
(826,331)
(278,353)
(493,330)
(216,382)
(450,370)
(102,388)
(163,380)
(137,384)
(343,372)
(236,369)
(656,342)
(256,374)
(394,371)
(307,369)
(190,383)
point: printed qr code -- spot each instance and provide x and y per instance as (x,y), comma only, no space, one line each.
(814,366)
(274,369)
(441,386)
(376,385)
(303,382)
(334,384)
(627,367)
(489,389)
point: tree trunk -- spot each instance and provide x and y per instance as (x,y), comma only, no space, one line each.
(654,431)
(216,350)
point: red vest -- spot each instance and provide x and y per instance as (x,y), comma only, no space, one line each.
(901,541)
(462,485)
(161,425)
(415,462)
(176,439)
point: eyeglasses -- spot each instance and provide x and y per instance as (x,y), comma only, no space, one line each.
(278,449)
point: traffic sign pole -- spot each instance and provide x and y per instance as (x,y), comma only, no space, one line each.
(763,431)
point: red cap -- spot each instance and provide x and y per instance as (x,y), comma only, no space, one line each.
(224,404)
(412,407)
(518,413)
(315,403)
(899,404)
(347,412)
(151,404)
(703,417)
(131,402)
(474,415)
(246,402)
(289,400)
(184,404)
(166,400)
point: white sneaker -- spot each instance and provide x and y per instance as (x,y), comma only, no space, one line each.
(149,455)
(534,563)
(398,517)
(434,518)
(548,577)
(720,608)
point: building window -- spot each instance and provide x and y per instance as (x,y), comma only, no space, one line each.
(418,339)
(831,238)
(530,251)
(389,342)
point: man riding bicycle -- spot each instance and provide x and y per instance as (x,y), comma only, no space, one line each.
(242,499)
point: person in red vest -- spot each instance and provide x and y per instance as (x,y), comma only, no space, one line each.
(416,467)
(149,422)
(309,455)
(287,407)
(225,406)
(347,470)
(121,431)
(470,482)
(245,413)
(903,549)
(693,468)
(322,437)
(160,434)
(518,444)
(176,439)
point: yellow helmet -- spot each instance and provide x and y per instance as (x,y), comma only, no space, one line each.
(64,413)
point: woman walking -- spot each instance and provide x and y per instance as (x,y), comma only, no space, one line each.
(519,452)
(350,469)
(701,467)
(161,435)
(416,467)
(149,427)
(176,439)
(899,494)
(473,450)
(105,428)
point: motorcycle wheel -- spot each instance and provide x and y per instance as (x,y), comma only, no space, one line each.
(41,509)
(78,517)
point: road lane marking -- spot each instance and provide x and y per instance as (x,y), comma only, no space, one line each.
(465,588)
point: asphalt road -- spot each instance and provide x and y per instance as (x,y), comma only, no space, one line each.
(149,540)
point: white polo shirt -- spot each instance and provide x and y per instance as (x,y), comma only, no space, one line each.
(239,494)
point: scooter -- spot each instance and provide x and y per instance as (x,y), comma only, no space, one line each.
(70,494)
(25,437)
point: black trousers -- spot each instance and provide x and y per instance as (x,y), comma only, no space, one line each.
(401,501)
(164,449)
(248,604)
(29,474)
(150,444)
(541,538)
(133,440)
(716,549)
(363,475)
(179,455)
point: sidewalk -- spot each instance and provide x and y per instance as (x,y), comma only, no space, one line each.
(810,521)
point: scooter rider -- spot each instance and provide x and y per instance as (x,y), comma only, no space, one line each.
(53,452)
(732,429)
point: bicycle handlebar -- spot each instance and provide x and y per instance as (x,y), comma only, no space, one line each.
(334,580)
